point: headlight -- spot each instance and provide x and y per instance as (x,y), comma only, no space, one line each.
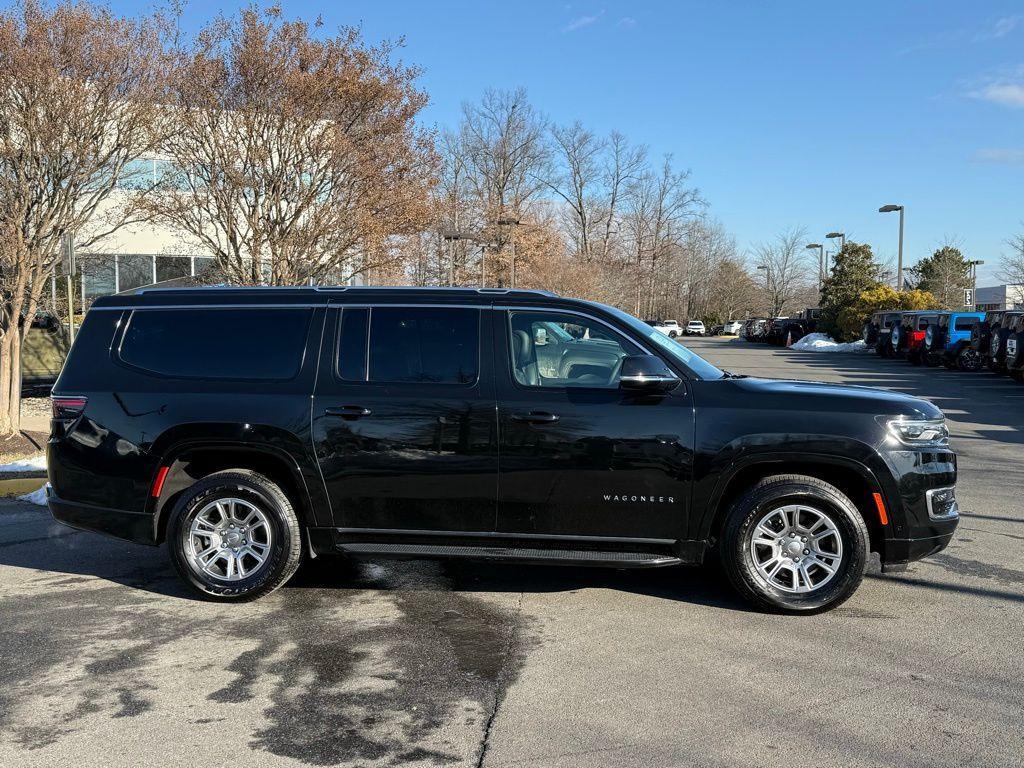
(920,432)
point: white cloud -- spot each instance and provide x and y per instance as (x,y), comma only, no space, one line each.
(999,156)
(582,21)
(1001,28)
(627,21)
(1006,94)
(1003,86)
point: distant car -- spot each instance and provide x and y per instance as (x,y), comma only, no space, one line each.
(981,334)
(1015,349)
(949,341)
(907,338)
(996,358)
(695,328)
(670,328)
(732,327)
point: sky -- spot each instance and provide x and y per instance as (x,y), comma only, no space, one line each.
(788,114)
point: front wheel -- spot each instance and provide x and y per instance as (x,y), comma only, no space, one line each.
(794,544)
(234,536)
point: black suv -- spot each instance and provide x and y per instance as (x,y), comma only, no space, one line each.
(248,428)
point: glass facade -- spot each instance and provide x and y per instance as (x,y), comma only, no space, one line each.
(103,274)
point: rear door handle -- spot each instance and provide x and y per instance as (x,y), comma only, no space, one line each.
(348,411)
(535,417)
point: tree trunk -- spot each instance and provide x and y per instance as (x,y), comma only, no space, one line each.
(9,426)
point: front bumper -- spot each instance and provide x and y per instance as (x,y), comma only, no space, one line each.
(923,509)
(119,523)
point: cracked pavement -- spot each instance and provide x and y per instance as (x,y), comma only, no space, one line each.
(105,660)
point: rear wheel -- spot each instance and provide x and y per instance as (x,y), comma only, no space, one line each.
(794,544)
(234,536)
(968,359)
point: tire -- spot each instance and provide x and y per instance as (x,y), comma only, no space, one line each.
(968,359)
(769,497)
(249,490)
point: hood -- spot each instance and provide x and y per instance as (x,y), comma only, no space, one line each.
(822,396)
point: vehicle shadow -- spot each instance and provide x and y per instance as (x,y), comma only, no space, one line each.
(71,554)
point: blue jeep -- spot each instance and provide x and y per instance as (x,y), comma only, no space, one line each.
(949,341)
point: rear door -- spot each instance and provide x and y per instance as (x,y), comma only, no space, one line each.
(404,418)
(579,456)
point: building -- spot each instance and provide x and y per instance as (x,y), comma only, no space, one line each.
(999,297)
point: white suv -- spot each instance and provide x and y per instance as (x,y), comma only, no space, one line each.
(695,328)
(669,327)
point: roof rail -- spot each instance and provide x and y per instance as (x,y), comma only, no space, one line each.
(160,288)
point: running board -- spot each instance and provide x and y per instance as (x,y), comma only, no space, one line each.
(512,554)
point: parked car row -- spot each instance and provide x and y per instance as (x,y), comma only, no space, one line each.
(781,330)
(672,329)
(968,341)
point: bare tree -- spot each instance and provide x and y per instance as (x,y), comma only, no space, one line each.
(299,156)
(782,269)
(80,99)
(1012,266)
(623,165)
(503,141)
(659,205)
(576,184)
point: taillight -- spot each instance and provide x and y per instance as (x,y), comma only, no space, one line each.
(66,407)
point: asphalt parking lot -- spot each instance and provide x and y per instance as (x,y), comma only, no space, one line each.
(106,661)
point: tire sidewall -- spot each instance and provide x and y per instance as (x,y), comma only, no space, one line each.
(851,529)
(201,494)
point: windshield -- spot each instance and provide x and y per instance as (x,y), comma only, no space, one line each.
(700,367)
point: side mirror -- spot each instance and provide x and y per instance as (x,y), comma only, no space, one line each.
(646,373)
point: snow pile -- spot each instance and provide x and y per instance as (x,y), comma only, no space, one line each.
(820,342)
(25,465)
(37,497)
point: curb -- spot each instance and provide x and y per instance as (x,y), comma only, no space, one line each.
(19,483)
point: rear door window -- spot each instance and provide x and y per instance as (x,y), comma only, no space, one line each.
(430,345)
(965,323)
(195,343)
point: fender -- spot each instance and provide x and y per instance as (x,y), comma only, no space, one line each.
(259,439)
(743,454)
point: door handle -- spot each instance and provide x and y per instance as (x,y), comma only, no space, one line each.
(535,417)
(348,411)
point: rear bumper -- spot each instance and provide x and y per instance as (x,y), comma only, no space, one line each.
(119,523)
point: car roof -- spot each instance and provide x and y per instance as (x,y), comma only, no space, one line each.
(285,295)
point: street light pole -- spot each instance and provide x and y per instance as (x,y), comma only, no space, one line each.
(508,221)
(450,236)
(821,261)
(840,235)
(974,279)
(899,258)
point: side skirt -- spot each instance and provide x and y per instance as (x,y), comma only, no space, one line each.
(505,547)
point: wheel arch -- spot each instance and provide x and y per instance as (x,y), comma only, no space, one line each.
(857,481)
(191,460)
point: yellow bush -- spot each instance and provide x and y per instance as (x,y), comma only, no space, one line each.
(881,298)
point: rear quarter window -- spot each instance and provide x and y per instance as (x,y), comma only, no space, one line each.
(965,323)
(246,344)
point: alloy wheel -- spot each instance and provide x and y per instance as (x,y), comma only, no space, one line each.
(796,548)
(229,540)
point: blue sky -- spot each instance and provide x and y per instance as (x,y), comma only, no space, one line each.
(788,113)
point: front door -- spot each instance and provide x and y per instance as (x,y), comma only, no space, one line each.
(579,456)
(404,421)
